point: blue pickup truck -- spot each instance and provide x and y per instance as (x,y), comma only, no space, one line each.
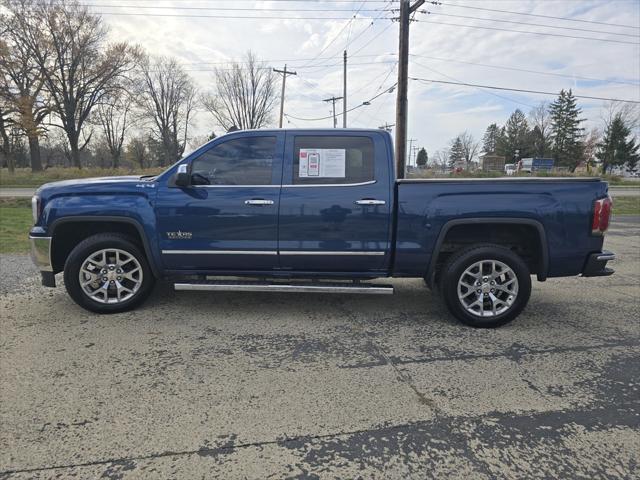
(316,211)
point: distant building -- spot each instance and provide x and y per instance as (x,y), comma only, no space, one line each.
(492,163)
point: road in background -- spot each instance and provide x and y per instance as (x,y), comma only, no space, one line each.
(16,192)
(238,385)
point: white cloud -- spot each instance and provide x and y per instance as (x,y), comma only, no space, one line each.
(436,112)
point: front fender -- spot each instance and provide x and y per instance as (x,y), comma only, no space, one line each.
(135,210)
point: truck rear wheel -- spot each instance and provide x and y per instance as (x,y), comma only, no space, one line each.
(108,273)
(485,285)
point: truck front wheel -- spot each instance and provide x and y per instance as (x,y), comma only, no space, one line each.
(108,273)
(485,285)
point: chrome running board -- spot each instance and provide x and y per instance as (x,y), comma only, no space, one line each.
(310,287)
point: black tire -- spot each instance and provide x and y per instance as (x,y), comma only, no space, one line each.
(96,243)
(460,261)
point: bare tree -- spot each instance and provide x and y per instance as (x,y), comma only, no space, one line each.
(590,143)
(137,151)
(628,112)
(22,86)
(68,43)
(441,159)
(167,100)
(5,147)
(540,120)
(114,117)
(470,148)
(244,95)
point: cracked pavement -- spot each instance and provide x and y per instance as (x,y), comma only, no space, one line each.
(239,385)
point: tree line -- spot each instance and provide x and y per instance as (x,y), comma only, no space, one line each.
(67,91)
(554,131)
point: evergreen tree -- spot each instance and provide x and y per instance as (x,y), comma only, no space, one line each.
(422,158)
(616,149)
(456,152)
(517,136)
(491,138)
(566,132)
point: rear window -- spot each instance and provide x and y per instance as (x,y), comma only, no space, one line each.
(332,160)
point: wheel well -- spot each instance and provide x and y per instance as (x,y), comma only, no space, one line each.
(523,239)
(69,234)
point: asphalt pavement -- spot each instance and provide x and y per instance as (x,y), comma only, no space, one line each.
(256,386)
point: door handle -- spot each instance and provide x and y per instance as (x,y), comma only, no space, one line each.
(258,201)
(370,201)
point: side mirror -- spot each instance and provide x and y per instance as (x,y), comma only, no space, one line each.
(182,178)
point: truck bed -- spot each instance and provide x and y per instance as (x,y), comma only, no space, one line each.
(561,208)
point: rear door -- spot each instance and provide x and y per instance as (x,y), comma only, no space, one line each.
(228,219)
(335,203)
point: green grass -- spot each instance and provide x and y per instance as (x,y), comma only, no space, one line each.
(626,205)
(23,177)
(15,222)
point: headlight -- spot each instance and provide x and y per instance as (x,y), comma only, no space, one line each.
(35,208)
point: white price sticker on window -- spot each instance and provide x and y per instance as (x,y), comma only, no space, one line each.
(322,162)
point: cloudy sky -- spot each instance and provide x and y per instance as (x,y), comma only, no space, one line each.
(596,52)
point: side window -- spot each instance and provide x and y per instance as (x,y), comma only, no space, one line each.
(241,161)
(332,160)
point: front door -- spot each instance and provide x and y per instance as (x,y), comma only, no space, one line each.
(227,220)
(335,203)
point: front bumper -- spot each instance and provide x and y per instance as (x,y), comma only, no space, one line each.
(596,265)
(41,256)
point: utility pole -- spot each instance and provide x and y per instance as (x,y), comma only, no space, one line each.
(284,73)
(406,9)
(411,140)
(333,100)
(387,127)
(344,91)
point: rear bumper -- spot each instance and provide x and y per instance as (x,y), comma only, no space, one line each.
(596,265)
(41,256)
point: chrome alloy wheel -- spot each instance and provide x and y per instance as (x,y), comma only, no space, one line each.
(487,288)
(110,275)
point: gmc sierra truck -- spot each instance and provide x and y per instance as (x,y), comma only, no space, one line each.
(316,211)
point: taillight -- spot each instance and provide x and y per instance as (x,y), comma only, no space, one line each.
(601,215)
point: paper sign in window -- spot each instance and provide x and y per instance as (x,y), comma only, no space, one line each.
(322,162)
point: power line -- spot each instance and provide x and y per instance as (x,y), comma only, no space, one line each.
(351,23)
(499,20)
(352,1)
(372,39)
(365,103)
(521,90)
(458,80)
(239,62)
(324,49)
(457,5)
(349,42)
(232,9)
(529,32)
(339,1)
(524,70)
(329,65)
(185,15)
